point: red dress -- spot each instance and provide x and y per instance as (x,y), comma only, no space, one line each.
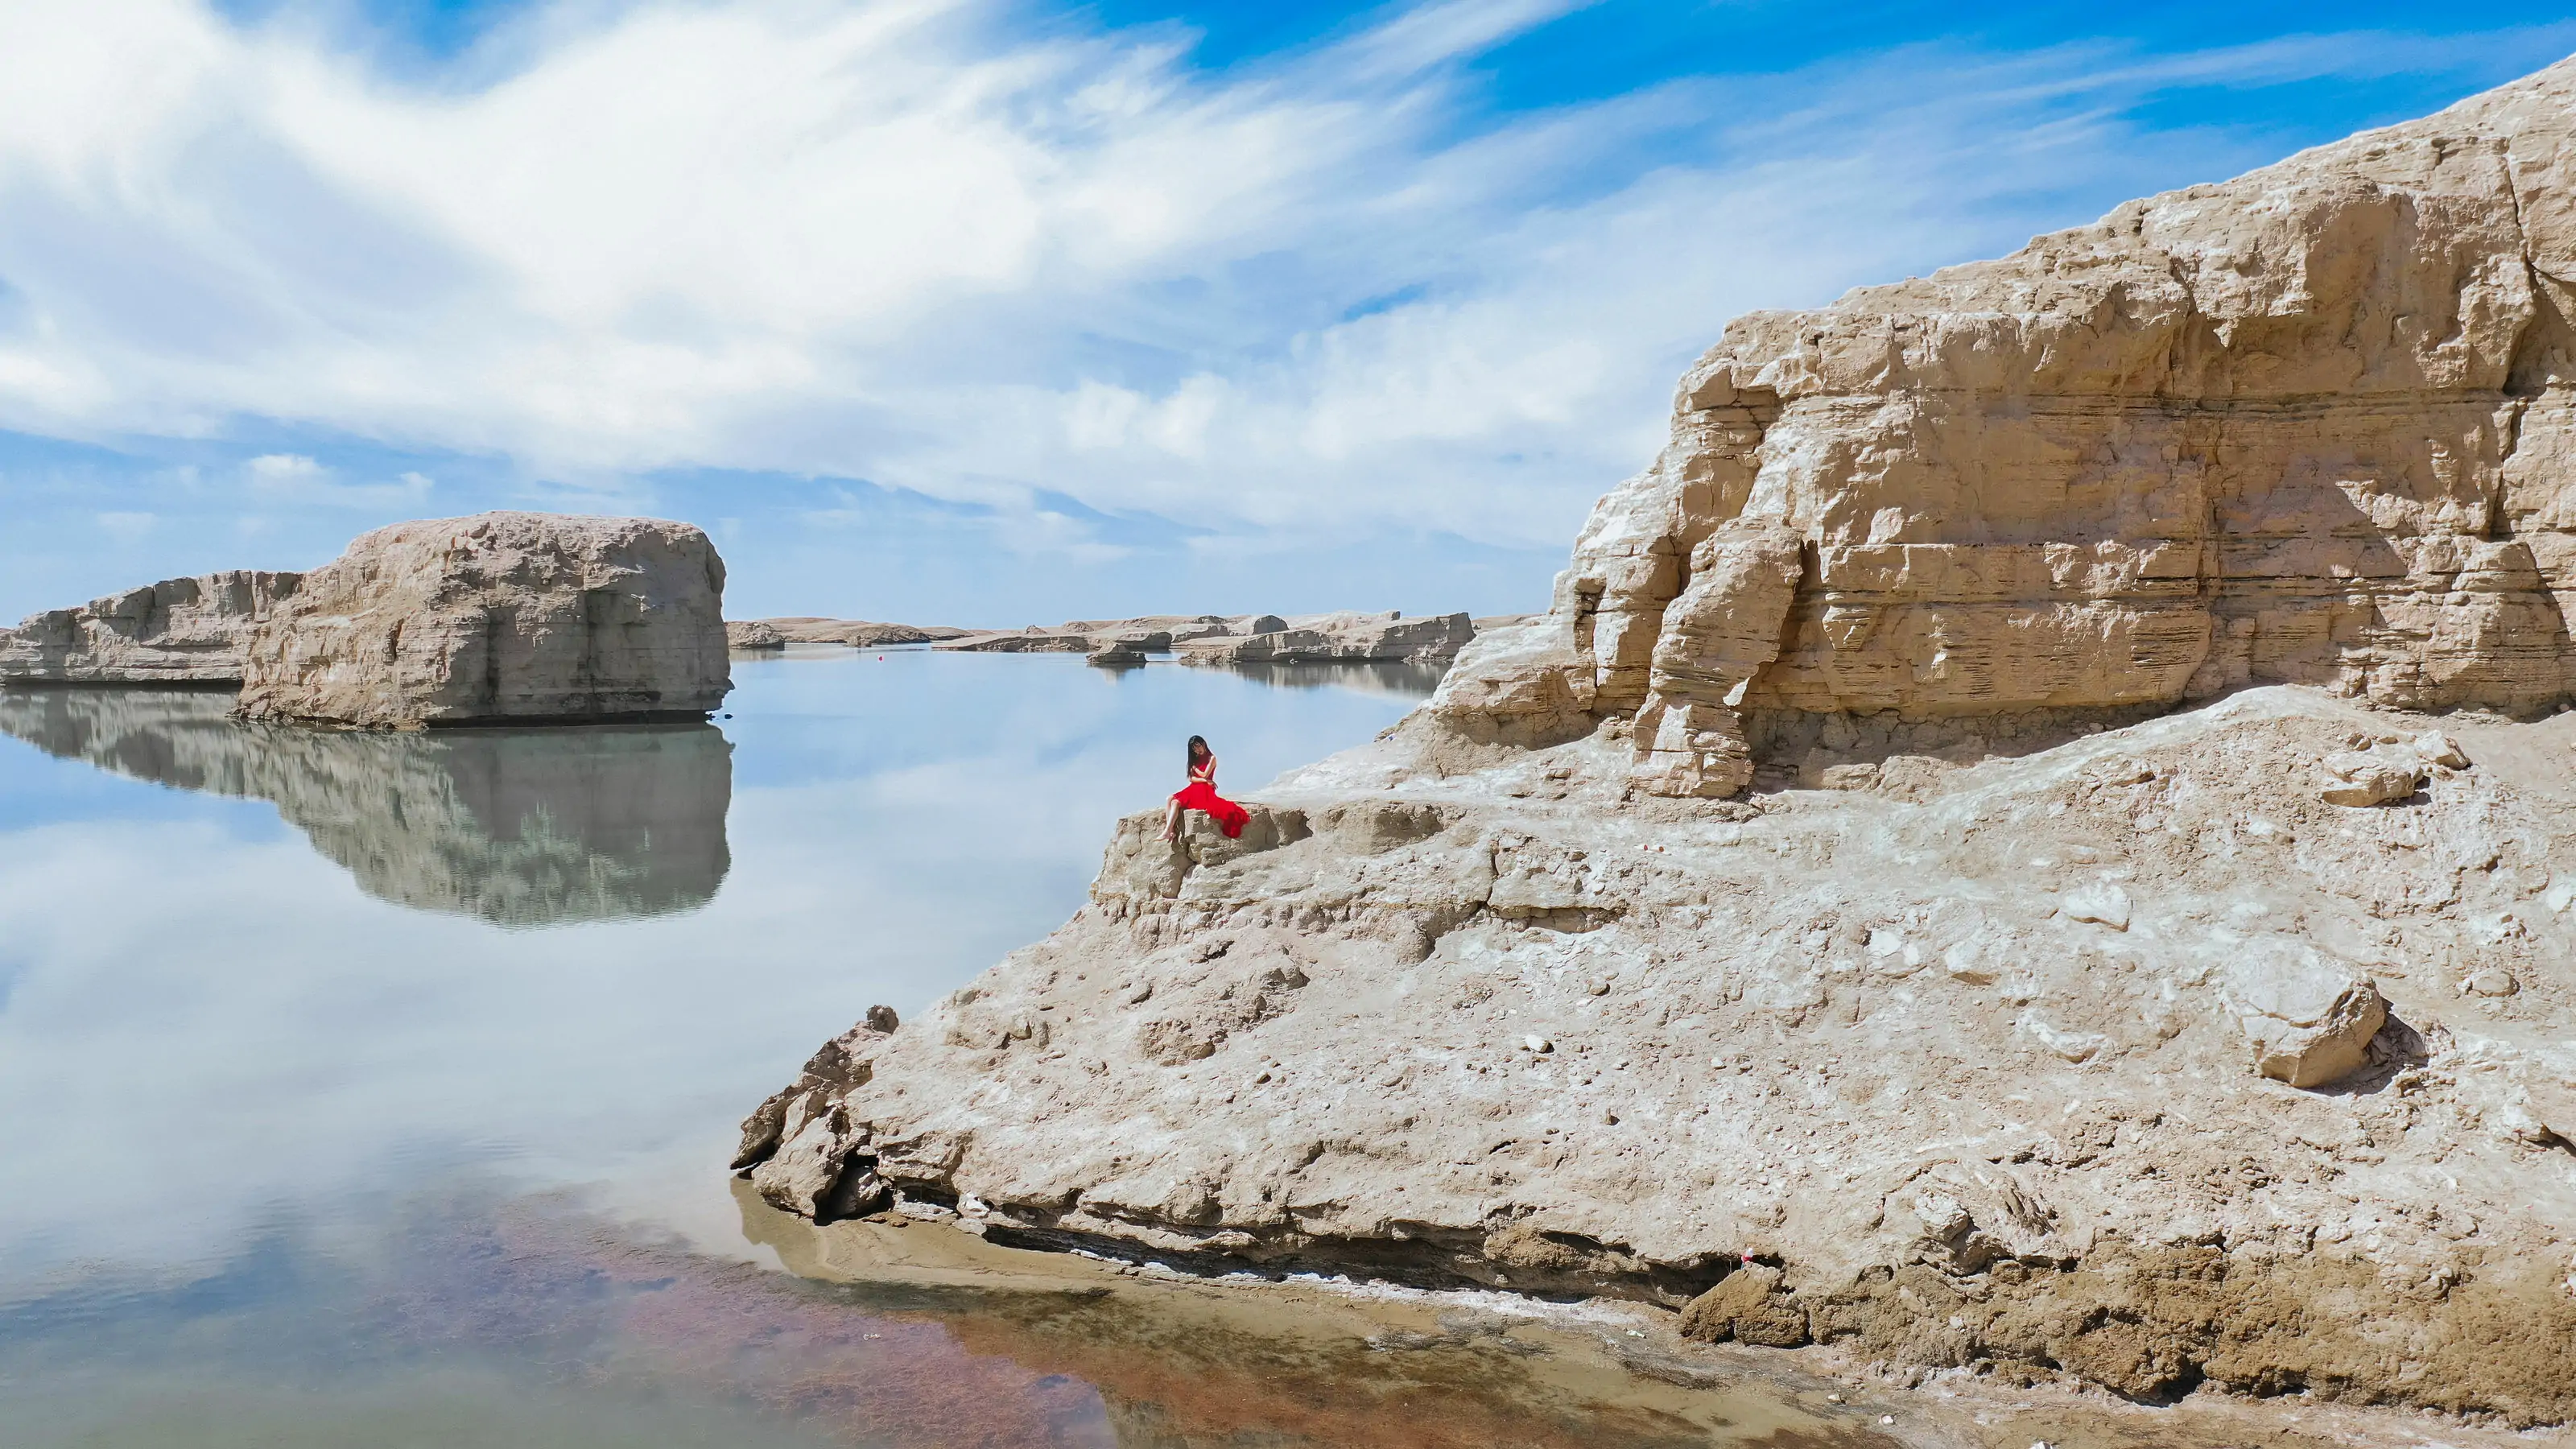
(1200,794)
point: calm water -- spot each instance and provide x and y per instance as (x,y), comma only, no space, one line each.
(376,1089)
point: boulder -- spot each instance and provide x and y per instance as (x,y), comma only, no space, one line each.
(522,617)
(753,635)
(2309,1017)
(178,631)
(2368,777)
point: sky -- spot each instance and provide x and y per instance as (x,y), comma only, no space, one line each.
(995,312)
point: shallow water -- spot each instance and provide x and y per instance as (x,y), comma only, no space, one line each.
(378,1089)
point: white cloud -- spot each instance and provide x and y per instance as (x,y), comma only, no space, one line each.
(889,240)
(127,527)
(297,478)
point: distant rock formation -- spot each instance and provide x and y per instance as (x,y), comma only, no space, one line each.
(178,631)
(1338,638)
(498,617)
(1345,638)
(753,635)
(521,828)
(2314,425)
(856,633)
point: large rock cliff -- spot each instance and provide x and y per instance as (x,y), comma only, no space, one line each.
(178,631)
(501,616)
(2020,1019)
(2315,425)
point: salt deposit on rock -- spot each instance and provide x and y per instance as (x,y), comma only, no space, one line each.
(501,616)
(2069,1030)
(178,631)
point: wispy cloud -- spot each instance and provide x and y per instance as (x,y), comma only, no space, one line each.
(296,478)
(909,241)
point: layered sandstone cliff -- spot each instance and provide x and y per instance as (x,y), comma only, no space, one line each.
(2315,425)
(2056,1002)
(178,631)
(501,616)
(517,827)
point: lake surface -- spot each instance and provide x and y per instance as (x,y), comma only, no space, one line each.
(377,1089)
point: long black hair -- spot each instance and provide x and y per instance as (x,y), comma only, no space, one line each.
(1199,751)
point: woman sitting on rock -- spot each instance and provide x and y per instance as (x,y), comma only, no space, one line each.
(1200,794)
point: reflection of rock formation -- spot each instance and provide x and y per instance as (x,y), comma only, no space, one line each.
(1401,681)
(523,828)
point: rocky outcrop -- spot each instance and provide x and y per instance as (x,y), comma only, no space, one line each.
(1387,638)
(2316,425)
(2130,1054)
(2021,1019)
(178,631)
(520,827)
(753,635)
(499,617)
(1241,639)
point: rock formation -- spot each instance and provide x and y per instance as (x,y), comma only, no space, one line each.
(178,631)
(856,633)
(2310,426)
(1387,638)
(520,827)
(753,635)
(2021,1018)
(1338,638)
(498,617)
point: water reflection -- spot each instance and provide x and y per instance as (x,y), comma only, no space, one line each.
(517,827)
(1397,681)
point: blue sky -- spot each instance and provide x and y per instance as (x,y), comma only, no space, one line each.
(961,310)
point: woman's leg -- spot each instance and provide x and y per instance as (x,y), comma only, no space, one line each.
(1172,821)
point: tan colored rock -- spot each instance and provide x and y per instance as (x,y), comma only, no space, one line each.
(1345,638)
(2309,1017)
(501,616)
(2369,777)
(2315,425)
(856,633)
(178,631)
(753,635)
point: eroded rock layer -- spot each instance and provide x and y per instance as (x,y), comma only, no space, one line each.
(2316,425)
(501,616)
(178,631)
